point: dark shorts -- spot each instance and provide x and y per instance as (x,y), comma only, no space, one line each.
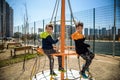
(49,52)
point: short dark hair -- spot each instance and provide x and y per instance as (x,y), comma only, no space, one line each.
(49,25)
(79,24)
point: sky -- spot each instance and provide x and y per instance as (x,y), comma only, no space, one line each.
(42,9)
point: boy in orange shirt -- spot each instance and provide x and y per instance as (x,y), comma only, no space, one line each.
(82,48)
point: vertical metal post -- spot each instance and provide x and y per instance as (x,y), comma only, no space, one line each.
(71,29)
(55,27)
(22,31)
(18,34)
(114,32)
(34,33)
(27,32)
(62,34)
(2,30)
(43,24)
(109,33)
(94,30)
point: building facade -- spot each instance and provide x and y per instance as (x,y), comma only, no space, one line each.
(6,20)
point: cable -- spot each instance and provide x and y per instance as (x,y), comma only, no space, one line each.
(71,11)
(79,65)
(38,63)
(54,11)
(24,61)
(66,68)
(57,8)
(33,69)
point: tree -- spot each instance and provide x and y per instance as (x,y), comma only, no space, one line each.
(17,34)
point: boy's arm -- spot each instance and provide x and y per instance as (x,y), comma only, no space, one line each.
(49,38)
(86,45)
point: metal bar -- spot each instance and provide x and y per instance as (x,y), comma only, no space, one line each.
(43,24)
(62,34)
(34,33)
(94,30)
(114,32)
(71,29)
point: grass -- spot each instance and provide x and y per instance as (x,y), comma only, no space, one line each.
(16,59)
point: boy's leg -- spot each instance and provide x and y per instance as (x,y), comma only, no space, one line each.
(88,56)
(51,63)
(51,60)
(60,61)
(60,64)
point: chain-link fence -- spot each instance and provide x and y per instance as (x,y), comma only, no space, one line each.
(101,29)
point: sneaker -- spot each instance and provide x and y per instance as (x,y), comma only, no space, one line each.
(83,75)
(61,69)
(53,74)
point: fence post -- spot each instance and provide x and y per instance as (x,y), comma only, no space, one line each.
(18,34)
(94,30)
(34,33)
(55,28)
(43,24)
(114,32)
(71,29)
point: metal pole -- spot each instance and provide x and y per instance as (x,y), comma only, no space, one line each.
(18,34)
(114,32)
(43,24)
(94,30)
(22,31)
(71,29)
(62,34)
(55,27)
(34,33)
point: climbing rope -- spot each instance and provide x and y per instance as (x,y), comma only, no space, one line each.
(71,11)
(34,68)
(24,61)
(79,65)
(36,65)
(66,67)
(55,9)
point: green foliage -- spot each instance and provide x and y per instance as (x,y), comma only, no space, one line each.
(18,58)
(17,34)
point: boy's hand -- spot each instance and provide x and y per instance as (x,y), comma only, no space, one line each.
(58,38)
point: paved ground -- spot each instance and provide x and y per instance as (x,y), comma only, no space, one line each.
(103,67)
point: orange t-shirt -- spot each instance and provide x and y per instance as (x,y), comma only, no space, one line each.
(77,35)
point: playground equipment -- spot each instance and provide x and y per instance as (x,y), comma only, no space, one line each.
(64,52)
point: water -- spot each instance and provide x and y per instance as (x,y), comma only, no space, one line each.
(106,48)
(101,47)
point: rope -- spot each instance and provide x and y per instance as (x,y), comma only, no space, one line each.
(54,11)
(34,68)
(66,68)
(79,65)
(67,64)
(24,61)
(57,8)
(44,75)
(38,64)
(72,74)
(44,65)
(71,11)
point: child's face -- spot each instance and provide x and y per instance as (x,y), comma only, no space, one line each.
(49,30)
(79,29)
